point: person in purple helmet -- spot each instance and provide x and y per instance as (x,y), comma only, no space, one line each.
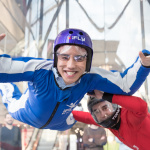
(55,87)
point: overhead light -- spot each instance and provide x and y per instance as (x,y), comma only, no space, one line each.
(106,67)
(106,60)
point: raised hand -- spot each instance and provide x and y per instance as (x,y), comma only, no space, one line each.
(97,94)
(145,60)
(2,36)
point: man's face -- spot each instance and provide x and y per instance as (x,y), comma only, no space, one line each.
(103,110)
(71,63)
(9,120)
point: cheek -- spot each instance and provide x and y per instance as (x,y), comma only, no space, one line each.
(82,66)
(59,67)
(60,64)
(98,116)
(109,113)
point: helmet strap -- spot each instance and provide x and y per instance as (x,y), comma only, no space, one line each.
(117,126)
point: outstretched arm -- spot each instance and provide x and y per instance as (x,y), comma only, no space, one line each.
(21,68)
(145,58)
(133,104)
(132,78)
(84,117)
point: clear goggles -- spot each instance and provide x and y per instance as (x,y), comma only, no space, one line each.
(102,111)
(66,57)
(63,50)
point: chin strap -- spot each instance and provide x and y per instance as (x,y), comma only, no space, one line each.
(117,126)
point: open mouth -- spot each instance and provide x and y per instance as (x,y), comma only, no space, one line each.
(70,73)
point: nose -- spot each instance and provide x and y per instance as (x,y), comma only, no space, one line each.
(103,115)
(71,63)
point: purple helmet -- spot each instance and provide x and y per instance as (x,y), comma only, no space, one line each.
(74,37)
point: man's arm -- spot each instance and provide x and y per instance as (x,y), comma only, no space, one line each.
(132,78)
(21,68)
(136,105)
(84,117)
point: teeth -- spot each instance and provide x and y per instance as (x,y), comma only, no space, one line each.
(70,73)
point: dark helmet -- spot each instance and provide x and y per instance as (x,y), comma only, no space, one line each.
(74,37)
(109,122)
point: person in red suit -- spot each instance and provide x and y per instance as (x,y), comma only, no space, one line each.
(130,123)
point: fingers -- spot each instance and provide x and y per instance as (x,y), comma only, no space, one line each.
(2,36)
(141,55)
(98,94)
(145,60)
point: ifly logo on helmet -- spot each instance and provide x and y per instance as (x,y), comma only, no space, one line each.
(76,37)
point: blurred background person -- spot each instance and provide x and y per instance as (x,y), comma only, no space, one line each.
(94,138)
(10,136)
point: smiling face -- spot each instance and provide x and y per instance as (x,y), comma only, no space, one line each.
(73,63)
(103,110)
